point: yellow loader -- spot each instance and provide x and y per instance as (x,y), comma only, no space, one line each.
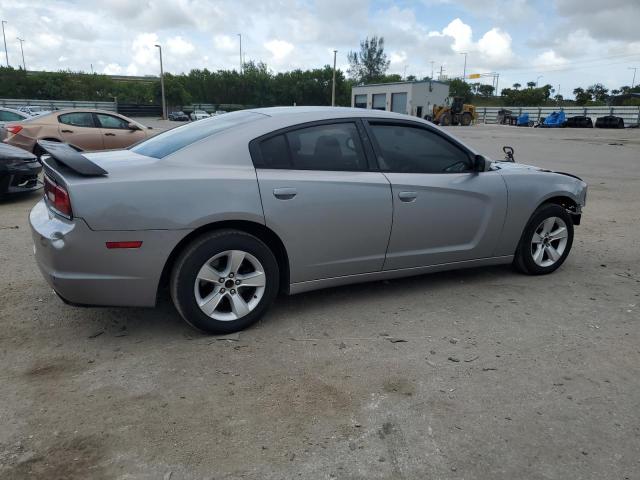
(455,112)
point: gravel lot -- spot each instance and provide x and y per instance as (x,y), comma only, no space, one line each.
(478,374)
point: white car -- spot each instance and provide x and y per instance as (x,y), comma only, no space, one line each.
(199,115)
(34,111)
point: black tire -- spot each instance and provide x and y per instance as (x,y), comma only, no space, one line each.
(466,119)
(196,254)
(524,256)
(445,119)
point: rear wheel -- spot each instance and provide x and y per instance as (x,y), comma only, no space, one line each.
(224,281)
(546,241)
(466,119)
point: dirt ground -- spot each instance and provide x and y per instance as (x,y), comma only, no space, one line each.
(478,374)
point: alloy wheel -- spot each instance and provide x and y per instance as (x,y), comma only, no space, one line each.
(549,241)
(230,285)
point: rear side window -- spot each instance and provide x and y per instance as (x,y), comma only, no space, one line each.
(173,140)
(323,147)
(77,119)
(417,150)
(109,121)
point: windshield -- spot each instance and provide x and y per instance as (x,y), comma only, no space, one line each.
(173,140)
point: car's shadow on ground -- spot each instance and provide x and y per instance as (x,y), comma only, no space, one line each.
(164,321)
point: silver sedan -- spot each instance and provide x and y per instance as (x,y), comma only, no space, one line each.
(231,210)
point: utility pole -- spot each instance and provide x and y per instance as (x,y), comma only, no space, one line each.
(441,68)
(240,36)
(538,78)
(24,66)
(464,71)
(497,78)
(633,82)
(333,84)
(431,62)
(164,103)
(5,42)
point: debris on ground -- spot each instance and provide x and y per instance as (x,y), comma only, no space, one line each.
(396,340)
(453,359)
(471,359)
(96,334)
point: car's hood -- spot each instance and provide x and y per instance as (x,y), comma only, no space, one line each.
(523,167)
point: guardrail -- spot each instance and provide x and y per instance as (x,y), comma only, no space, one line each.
(56,104)
(630,114)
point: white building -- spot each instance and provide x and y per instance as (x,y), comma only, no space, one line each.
(411,98)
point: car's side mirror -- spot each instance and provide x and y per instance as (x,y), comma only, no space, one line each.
(133,126)
(479,163)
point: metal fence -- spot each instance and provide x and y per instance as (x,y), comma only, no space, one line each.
(630,115)
(56,104)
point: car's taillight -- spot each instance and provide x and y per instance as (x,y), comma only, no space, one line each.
(57,198)
(15,129)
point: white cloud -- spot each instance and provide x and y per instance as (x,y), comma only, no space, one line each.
(179,46)
(279,49)
(549,58)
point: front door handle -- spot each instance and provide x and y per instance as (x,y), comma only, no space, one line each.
(110,134)
(407,196)
(284,193)
(66,131)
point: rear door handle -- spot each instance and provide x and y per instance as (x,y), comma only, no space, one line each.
(284,193)
(110,134)
(66,131)
(407,196)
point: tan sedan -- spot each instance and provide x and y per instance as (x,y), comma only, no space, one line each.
(83,129)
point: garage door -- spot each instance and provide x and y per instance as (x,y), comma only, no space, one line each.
(399,102)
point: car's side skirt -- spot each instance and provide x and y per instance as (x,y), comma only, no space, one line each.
(301,287)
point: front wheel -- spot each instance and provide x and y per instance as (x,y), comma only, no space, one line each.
(546,241)
(224,281)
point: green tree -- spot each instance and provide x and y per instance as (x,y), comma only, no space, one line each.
(598,92)
(486,90)
(460,88)
(582,97)
(531,84)
(370,63)
(516,86)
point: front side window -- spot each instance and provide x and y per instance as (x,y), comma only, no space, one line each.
(332,147)
(77,119)
(410,149)
(109,121)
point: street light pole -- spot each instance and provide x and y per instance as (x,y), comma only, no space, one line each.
(633,82)
(464,71)
(333,85)
(539,77)
(164,103)
(240,36)
(21,40)
(5,42)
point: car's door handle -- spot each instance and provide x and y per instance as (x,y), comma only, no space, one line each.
(66,131)
(110,134)
(407,196)
(284,193)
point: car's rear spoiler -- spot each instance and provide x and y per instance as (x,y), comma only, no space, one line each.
(69,157)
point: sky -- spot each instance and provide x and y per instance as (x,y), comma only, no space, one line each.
(565,43)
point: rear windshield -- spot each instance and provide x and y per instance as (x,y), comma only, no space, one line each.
(173,140)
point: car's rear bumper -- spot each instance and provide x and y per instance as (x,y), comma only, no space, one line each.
(75,262)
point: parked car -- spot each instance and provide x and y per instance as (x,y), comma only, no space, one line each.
(83,129)
(179,116)
(19,171)
(233,209)
(199,115)
(220,112)
(34,111)
(10,115)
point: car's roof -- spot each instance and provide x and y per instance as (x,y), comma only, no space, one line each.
(327,111)
(13,110)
